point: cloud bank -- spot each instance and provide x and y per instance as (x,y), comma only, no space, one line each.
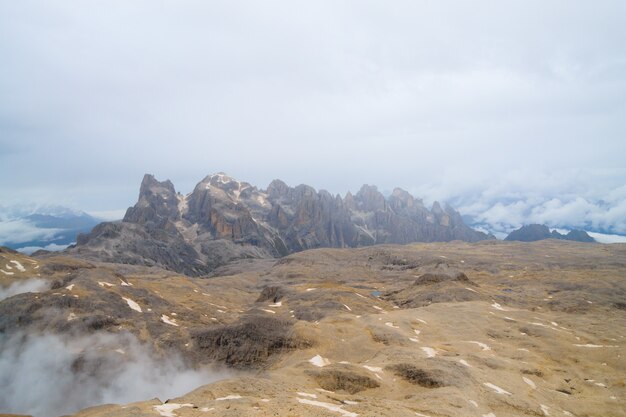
(49,375)
(513,108)
(26,285)
(592,200)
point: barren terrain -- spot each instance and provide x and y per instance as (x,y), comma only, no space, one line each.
(438,329)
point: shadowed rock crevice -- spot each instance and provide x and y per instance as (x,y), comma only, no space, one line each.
(344,380)
(422,377)
(272,293)
(251,343)
(442,285)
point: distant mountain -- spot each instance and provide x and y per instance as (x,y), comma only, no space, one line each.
(225,219)
(534,232)
(29,228)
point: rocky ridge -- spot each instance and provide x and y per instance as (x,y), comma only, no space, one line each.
(534,232)
(224,219)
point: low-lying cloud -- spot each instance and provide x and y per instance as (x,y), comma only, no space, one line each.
(52,247)
(18,231)
(20,287)
(579,199)
(49,375)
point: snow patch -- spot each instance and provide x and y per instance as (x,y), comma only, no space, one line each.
(19,266)
(167,410)
(132,304)
(165,319)
(498,307)
(589,345)
(229,397)
(328,406)
(430,352)
(482,345)
(530,382)
(496,388)
(318,361)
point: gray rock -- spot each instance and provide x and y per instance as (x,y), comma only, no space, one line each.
(224,220)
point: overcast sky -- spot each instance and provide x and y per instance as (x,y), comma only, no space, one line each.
(513,111)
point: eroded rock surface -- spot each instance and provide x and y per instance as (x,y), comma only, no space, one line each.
(224,219)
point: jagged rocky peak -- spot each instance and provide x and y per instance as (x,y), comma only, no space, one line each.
(232,188)
(436,208)
(370,199)
(158,202)
(278,189)
(349,202)
(225,219)
(401,199)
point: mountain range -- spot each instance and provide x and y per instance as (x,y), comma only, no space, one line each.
(225,219)
(29,228)
(534,232)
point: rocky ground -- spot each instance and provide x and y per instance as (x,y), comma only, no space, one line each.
(451,329)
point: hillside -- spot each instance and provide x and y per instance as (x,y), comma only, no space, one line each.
(435,329)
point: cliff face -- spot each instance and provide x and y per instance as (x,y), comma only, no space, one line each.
(225,219)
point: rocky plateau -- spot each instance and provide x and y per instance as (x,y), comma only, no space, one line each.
(482,329)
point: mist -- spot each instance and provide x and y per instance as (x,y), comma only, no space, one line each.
(446,98)
(28,285)
(48,375)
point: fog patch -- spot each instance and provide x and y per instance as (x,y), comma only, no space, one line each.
(607,238)
(49,375)
(52,247)
(27,285)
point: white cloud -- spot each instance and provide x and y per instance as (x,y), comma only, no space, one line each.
(53,247)
(575,213)
(607,238)
(50,375)
(23,286)
(108,215)
(525,126)
(20,231)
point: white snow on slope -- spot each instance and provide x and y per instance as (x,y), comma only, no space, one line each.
(328,406)
(318,361)
(165,319)
(132,304)
(167,410)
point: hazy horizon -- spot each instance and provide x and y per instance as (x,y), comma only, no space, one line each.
(512,113)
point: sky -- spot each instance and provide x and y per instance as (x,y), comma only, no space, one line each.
(512,111)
